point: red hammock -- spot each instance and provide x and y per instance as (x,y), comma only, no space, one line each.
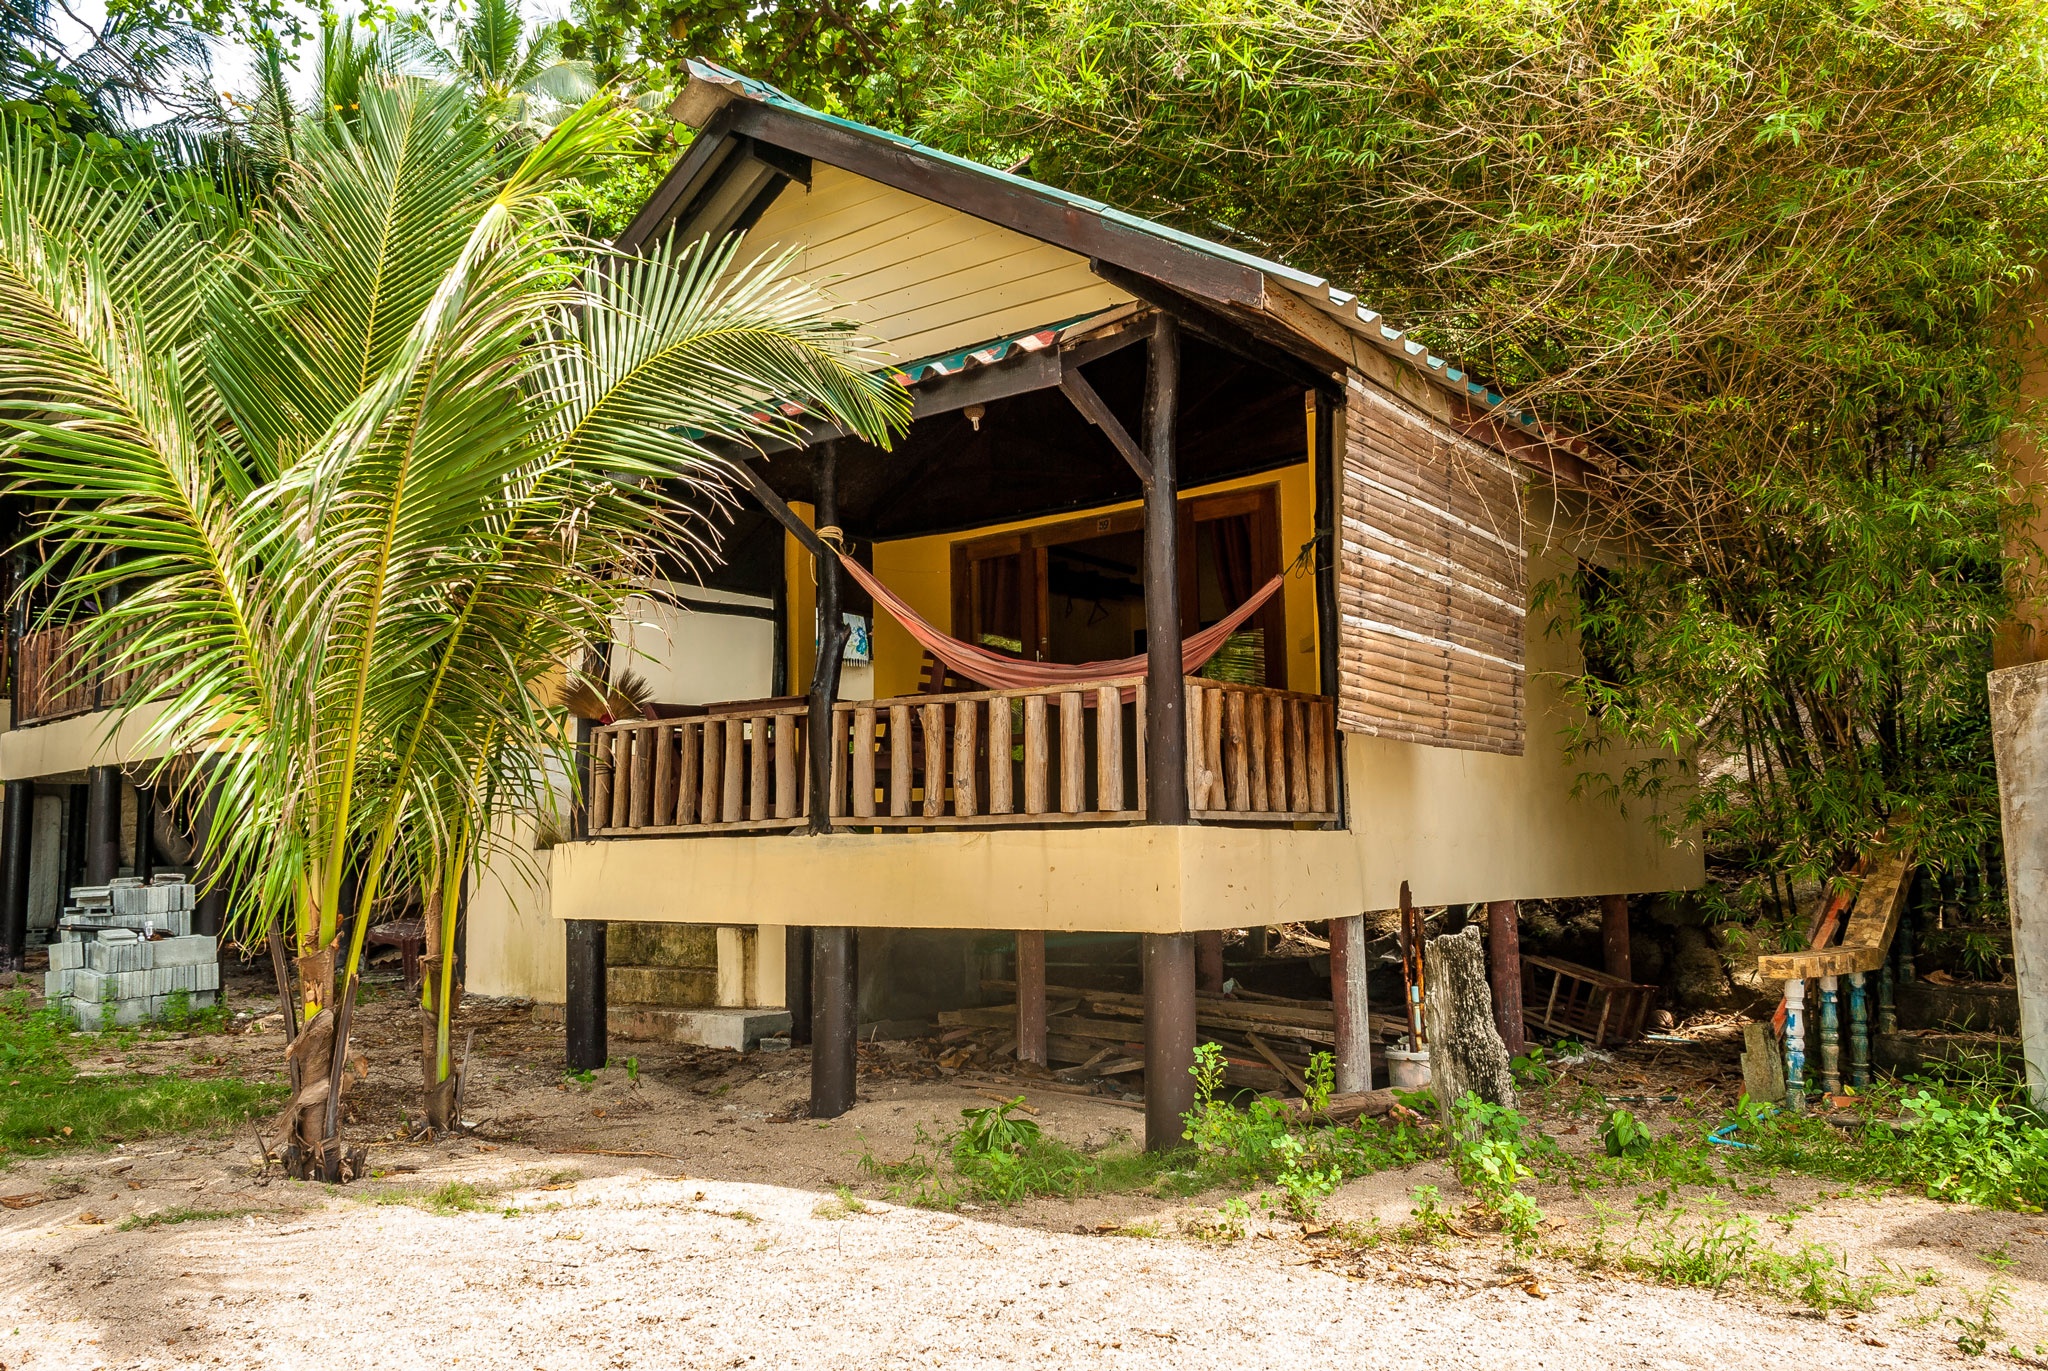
(998,672)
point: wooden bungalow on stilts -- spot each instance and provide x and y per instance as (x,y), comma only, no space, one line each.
(1122,435)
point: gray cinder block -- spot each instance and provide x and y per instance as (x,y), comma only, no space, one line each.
(186,951)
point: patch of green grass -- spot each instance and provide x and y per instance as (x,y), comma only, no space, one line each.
(844,1204)
(179,1214)
(450,1197)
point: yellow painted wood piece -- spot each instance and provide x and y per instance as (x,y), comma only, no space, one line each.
(1873,919)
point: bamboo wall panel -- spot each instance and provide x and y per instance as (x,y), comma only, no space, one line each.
(1432,582)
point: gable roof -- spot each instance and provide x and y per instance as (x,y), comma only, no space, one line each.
(753,139)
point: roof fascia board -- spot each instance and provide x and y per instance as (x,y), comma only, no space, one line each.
(1014,206)
(704,151)
(1225,332)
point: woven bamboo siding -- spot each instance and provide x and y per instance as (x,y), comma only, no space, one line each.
(1431,585)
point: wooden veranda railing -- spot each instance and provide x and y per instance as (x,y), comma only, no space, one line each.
(56,678)
(965,759)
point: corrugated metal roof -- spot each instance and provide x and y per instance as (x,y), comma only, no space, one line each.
(1340,305)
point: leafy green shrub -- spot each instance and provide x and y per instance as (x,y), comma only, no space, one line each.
(1624,1135)
(32,1040)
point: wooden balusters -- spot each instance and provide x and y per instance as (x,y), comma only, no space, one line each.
(1073,755)
(1276,754)
(934,719)
(664,776)
(1232,737)
(757,768)
(709,774)
(1318,757)
(999,746)
(785,766)
(863,762)
(1109,749)
(837,804)
(899,761)
(732,786)
(689,773)
(1255,737)
(622,778)
(1140,717)
(964,713)
(1037,757)
(601,779)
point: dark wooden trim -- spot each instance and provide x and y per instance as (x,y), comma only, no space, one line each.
(1019,374)
(584,1008)
(1097,412)
(1328,518)
(1011,204)
(707,147)
(1166,743)
(1225,331)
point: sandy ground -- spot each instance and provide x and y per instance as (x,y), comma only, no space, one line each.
(684,1214)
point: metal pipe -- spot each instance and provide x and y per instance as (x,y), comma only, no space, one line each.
(584,1010)
(834,1025)
(1166,745)
(1169,1037)
(17,839)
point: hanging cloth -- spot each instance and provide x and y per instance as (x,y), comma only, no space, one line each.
(998,672)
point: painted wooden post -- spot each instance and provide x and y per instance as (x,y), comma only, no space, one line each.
(1614,944)
(834,1026)
(102,824)
(1169,960)
(1830,1037)
(1353,1022)
(1859,1031)
(1795,1045)
(1504,946)
(796,982)
(584,1010)
(1887,1009)
(833,996)
(17,836)
(1031,995)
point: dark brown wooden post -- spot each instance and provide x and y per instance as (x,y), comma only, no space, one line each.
(1031,996)
(1614,935)
(145,832)
(1166,743)
(102,824)
(584,1012)
(1504,944)
(1347,998)
(796,982)
(1169,1037)
(1169,958)
(835,1025)
(17,836)
(1209,962)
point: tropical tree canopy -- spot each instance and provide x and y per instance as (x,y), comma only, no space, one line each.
(1759,250)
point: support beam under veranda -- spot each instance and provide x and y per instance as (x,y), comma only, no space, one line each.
(1352,1021)
(1169,964)
(834,994)
(584,1012)
(17,837)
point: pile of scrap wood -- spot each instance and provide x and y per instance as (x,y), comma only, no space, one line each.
(1098,1036)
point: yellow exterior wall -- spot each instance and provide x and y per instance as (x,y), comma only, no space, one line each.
(922,279)
(921,571)
(71,745)
(515,948)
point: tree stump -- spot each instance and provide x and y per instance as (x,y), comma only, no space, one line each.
(1465,1050)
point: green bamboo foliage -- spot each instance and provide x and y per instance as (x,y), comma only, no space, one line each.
(345,485)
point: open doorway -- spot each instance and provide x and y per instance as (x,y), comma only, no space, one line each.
(1074,591)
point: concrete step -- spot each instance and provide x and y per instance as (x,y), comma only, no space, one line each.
(736,1030)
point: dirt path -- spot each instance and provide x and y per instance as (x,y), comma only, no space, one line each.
(735,1249)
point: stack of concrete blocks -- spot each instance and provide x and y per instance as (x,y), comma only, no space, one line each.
(123,950)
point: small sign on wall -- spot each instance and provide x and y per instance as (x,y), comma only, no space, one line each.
(860,643)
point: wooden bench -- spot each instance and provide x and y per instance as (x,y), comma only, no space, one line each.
(1586,1004)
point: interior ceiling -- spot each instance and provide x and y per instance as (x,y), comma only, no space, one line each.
(1035,455)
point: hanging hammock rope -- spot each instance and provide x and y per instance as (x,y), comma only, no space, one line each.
(996,671)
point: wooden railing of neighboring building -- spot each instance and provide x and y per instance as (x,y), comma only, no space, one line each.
(993,758)
(52,679)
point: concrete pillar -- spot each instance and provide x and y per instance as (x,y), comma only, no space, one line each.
(17,842)
(1504,943)
(584,1012)
(2019,737)
(1169,962)
(102,824)
(1031,996)
(1348,967)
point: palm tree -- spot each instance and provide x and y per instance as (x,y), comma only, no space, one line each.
(517,77)
(373,469)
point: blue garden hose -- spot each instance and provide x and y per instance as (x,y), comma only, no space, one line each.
(1718,1135)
